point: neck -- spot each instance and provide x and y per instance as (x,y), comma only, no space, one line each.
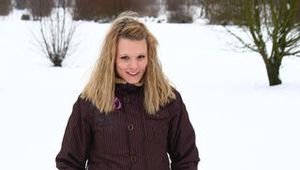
(122,81)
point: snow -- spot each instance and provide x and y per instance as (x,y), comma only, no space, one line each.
(240,122)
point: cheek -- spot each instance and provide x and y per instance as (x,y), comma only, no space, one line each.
(120,65)
(119,68)
(145,64)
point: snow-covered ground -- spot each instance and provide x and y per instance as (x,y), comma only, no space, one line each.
(241,123)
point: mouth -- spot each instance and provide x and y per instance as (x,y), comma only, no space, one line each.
(132,73)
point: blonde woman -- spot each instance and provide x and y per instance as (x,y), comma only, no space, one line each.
(128,116)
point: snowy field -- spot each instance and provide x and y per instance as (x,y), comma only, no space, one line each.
(241,123)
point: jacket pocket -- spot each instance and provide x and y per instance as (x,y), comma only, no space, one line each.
(109,133)
(157,128)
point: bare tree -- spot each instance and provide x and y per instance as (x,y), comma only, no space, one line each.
(5,7)
(104,10)
(225,12)
(57,32)
(21,4)
(40,8)
(179,11)
(274,22)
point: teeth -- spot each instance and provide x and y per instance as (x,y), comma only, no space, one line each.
(132,73)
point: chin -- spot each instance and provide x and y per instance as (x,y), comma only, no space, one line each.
(133,81)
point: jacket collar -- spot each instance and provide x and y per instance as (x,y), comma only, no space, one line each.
(122,86)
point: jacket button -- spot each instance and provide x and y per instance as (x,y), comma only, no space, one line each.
(133,158)
(130,127)
(126,99)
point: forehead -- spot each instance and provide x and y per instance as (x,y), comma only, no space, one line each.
(131,46)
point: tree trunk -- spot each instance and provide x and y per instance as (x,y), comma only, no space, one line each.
(273,73)
(57,61)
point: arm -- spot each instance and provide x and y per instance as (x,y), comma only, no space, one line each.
(181,139)
(74,150)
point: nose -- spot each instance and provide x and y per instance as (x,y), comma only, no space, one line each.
(133,64)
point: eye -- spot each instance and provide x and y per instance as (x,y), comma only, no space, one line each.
(124,57)
(141,56)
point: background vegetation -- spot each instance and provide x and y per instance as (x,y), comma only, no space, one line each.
(269,23)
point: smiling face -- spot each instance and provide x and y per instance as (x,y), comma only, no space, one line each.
(131,59)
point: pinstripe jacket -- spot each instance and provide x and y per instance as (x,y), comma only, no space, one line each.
(128,138)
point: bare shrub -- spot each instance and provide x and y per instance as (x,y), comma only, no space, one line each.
(57,32)
(179,11)
(25,17)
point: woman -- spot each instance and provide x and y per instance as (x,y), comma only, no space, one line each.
(128,116)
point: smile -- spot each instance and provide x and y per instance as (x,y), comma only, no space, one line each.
(133,73)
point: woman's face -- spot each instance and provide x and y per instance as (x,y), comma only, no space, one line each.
(131,59)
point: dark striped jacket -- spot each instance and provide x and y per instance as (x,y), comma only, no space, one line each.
(128,138)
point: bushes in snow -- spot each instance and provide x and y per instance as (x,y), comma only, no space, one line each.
(103,10)
(5,7)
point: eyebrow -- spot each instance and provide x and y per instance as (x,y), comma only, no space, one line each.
(124,54)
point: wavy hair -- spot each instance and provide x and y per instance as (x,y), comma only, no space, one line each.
(100,89)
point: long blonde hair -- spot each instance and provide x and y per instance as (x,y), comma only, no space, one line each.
(100,89)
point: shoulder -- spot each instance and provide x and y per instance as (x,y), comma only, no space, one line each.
(178,99)
(82,103)
(175,105)
(84,107)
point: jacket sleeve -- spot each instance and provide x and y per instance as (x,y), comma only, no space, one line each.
(181,139)
(75,146)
